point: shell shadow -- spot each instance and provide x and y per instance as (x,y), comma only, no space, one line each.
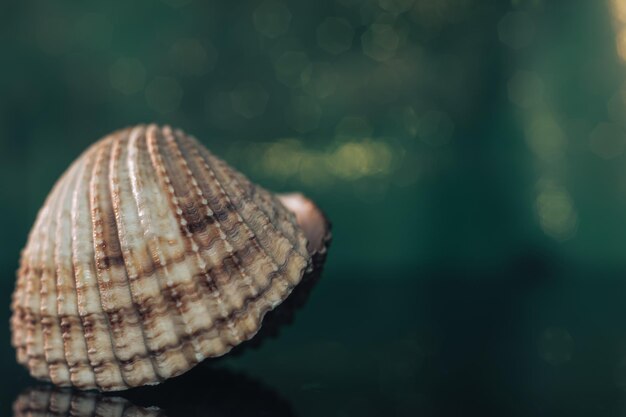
(202,391)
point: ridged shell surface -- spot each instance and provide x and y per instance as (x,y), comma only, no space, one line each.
(149,255)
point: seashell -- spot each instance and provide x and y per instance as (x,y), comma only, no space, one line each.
(149,255)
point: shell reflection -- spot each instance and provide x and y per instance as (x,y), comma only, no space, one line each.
(36,402)
(203,391)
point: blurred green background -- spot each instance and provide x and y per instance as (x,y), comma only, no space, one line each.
(470,154)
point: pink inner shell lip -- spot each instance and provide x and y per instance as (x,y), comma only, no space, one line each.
(310,218)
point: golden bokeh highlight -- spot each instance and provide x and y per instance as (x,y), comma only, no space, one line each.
(544,136)
(555,208)
(291,160)
(618,8)
(618,11)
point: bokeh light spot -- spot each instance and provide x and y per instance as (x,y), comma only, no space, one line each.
(303,114)
(334,35)
(190,57)
(380,42)
(283,158)
(164,94)
(368,162)
(249,99)
(271,18)
(516,30)
(556,346)
(545,137)
(127,75)
(620,40)
(556,212)
(607,140)
(354,160)
(618,7)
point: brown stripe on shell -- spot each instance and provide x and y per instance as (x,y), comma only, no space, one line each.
(279,287)
(284,219)
(34,329)
(178,182)
(94,321)
(269,237)
(159,226)
(52,335)
(236,245)
(74,344)
(18,317)
(115,295)
(17,321)
(253,256)
(120,279)
(206,270)
(147,295)
(37,272)
(252,311)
